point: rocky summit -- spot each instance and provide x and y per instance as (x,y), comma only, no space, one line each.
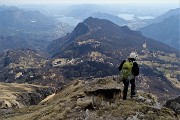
(95,100)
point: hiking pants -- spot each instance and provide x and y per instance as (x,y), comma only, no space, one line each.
(126,85)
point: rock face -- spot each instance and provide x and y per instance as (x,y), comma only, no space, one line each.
(14,95)
(99,99)
(104,90)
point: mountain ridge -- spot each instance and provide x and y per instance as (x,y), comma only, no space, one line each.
(165,31)
(35,28)
(102,30)
(169,13)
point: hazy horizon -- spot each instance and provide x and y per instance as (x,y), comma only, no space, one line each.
(68,2)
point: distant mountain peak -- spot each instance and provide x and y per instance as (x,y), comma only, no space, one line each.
(96,21)
(104,24)
(110,35)
(81,28)
(89,18)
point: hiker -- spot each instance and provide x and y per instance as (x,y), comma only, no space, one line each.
(128,70)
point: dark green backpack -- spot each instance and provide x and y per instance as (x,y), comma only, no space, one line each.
(126,72)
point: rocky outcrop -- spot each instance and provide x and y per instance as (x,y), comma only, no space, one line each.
(98,91)
(174,104)
(14,95)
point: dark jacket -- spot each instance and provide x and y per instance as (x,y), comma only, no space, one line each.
(135,68)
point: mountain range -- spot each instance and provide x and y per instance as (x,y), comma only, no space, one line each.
(23,19)
(94,49)
(164,28)
(166,31)
(33,27)
(38,29)
(83,69)
(100,33)
(171,12)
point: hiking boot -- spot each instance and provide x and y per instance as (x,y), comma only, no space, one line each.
(124,98)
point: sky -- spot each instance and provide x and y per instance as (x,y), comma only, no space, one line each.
(38,2)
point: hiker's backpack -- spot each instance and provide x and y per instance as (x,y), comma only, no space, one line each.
(126,72)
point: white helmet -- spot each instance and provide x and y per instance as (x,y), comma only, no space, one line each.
(133,55)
